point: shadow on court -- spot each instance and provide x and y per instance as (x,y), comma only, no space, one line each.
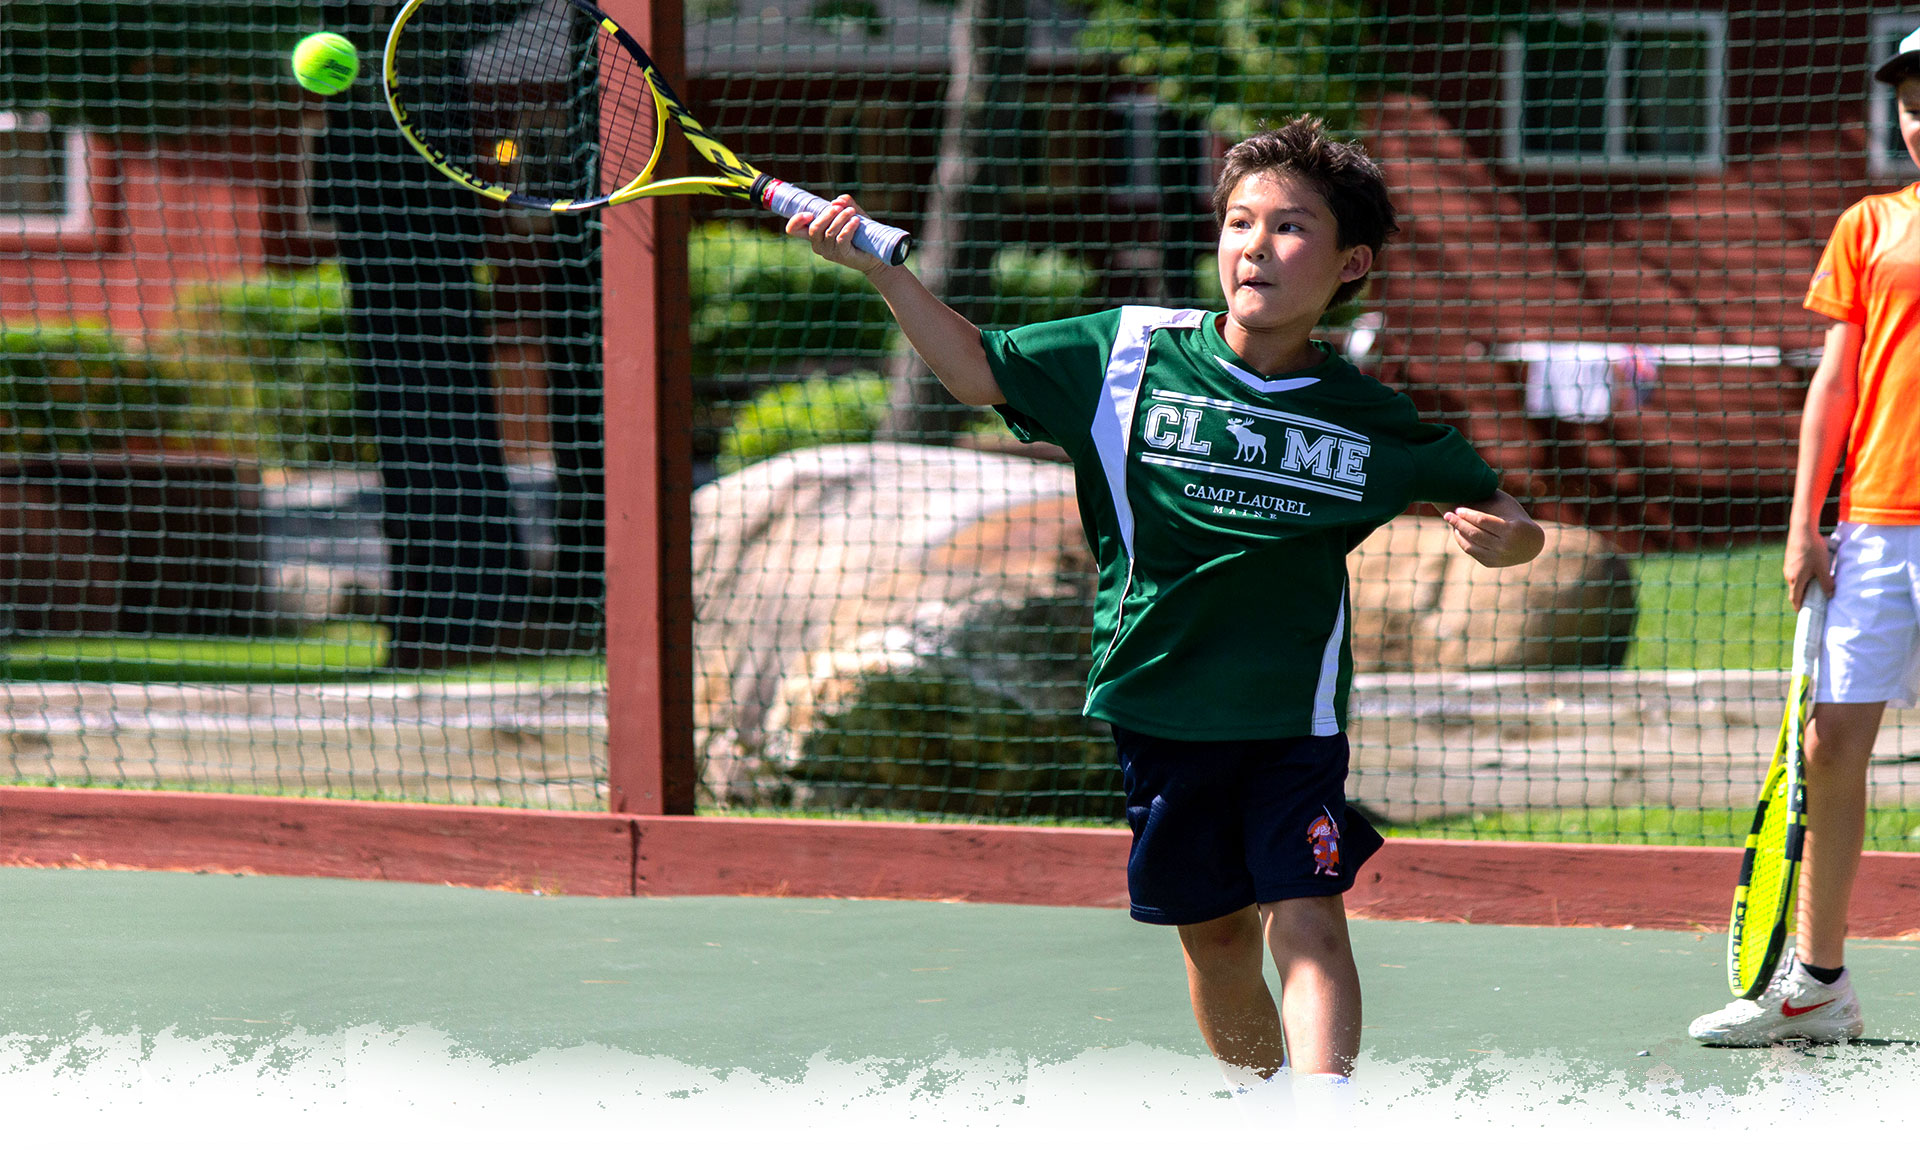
(933,996)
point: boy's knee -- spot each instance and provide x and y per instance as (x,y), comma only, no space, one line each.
(1222,943)
(1309,926)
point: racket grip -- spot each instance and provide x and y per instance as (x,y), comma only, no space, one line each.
(876,239)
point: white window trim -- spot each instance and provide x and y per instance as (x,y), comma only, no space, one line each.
(1513,93)
(1883,163)
(76,216)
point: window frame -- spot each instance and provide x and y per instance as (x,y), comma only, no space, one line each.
(76,219)
(1885,161)
(1713,157)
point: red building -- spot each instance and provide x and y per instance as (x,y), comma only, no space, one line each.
(108,228)
(1609,219)
(1608,212)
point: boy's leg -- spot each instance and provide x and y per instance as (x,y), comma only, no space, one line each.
(1231,1002)
(1319,984)
(1839,746)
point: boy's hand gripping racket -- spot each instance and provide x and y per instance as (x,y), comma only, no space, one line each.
(1763,902)
(559,109)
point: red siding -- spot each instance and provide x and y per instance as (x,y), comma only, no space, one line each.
(163,215)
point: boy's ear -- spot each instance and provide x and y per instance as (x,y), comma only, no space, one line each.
(1359,263)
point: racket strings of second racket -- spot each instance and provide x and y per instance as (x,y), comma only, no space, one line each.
(1769,894)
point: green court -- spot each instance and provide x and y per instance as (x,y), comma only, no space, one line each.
(382,1009)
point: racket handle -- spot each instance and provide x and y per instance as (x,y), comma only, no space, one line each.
(876,239)
(1809,628)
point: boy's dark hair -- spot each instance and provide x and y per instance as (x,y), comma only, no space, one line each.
(1342,172)
(1899,70)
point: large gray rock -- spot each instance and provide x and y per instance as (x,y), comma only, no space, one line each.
(1422,604)
(895,626)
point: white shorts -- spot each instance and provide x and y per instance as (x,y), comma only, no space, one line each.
(1872,649)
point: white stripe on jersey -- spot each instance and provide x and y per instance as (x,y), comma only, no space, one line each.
(1113,417)
(1267,386)
(1326,720)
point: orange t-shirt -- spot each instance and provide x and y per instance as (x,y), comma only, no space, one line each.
(1870,276)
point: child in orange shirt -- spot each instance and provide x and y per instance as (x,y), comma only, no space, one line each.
(1864,401)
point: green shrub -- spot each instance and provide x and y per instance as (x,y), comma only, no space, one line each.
(761,299)
(732,304)
(847,409)
(273,359)
(76,387)
(1033,285)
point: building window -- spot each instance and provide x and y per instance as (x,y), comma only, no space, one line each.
(43,176)
(1886,152)
(1622,90)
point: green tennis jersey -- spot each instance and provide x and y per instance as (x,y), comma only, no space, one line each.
(1220,506)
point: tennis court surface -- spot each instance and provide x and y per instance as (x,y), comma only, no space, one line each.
(208,1009)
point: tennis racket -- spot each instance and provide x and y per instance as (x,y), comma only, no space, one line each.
(552,106)
(1763,900)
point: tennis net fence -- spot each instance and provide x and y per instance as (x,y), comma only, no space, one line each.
(302,451)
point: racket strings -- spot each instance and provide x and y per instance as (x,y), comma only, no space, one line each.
(629,118)
(1762,918)
(546,103)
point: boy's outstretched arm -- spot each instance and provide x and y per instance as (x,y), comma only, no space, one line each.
(1496,531)
(943,337)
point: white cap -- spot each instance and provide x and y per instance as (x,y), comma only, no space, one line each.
(1906,63)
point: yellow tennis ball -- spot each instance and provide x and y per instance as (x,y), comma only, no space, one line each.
(325,62)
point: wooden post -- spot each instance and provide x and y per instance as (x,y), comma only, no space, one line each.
(649,476)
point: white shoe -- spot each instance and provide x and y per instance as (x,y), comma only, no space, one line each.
(1794,1005)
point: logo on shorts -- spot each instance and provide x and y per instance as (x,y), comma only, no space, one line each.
(1323,834)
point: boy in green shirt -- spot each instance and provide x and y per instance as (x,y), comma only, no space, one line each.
(1226,463)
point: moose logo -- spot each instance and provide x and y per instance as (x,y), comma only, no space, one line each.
(1278,447)
(1323,834)
(1253,445)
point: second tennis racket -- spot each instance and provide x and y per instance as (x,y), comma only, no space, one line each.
(1763,900)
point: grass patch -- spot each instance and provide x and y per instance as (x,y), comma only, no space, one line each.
(336,652)
(1888,828)
(1712,610)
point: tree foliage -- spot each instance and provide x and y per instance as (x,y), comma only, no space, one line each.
(1239,64)
(272,358)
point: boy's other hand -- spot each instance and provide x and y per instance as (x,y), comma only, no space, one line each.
(831,234)
(1497,532)
(1809,557)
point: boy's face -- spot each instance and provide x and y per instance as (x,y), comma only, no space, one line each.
(1280,254)
(1907,96)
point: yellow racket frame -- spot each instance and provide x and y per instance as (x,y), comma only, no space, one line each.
(1767,893)
(737,178)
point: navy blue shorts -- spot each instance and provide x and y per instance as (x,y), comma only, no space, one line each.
(1218,826)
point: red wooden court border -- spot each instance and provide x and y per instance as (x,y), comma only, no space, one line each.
(1522,884)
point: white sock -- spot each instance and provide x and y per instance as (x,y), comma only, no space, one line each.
(1323,1097)
(1261,1100)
